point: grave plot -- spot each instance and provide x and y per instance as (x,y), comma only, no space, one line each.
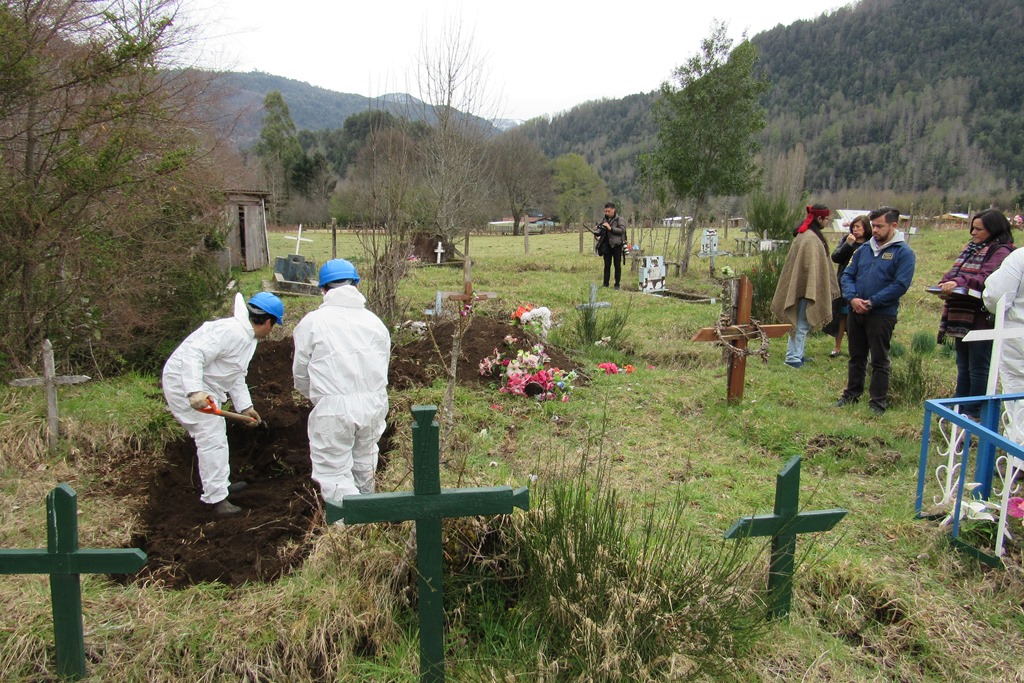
(419,364)
(187,544)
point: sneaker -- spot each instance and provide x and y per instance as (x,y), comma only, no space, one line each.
(878,410)
(225,508)
(795,364)
(835,354)
(805,359)
(846,401)
(238,487)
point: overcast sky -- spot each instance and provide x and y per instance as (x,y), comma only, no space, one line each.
(539,57)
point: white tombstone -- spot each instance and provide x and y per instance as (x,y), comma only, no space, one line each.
(652,273)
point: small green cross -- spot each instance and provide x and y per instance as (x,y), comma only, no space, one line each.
(783,526)
(428,504)
(64,562)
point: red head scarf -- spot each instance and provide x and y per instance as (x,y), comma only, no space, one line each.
(812,213)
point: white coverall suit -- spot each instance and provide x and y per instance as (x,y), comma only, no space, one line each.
(214,359)
(341,361)
(1008,278)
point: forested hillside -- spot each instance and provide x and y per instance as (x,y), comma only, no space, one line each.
(312,108)
(905,95)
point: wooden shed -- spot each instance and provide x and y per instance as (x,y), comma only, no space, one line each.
(246,214)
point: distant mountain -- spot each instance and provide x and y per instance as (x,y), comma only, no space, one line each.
(312,108)
(904,95)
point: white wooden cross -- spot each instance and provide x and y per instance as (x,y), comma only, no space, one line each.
(998,335)
(299,239)
(439,251)
(49,381)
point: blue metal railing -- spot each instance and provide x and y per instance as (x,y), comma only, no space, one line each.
(989,440)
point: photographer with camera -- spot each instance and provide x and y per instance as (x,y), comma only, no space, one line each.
(610,236)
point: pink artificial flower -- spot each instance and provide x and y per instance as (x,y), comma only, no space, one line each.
(609,368)
(565,398)
(1016,507)
(650,367)
(495,406)
(505,362)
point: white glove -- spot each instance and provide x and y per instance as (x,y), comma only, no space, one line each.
(198,399)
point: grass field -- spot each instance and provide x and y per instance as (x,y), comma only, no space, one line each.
(880,598)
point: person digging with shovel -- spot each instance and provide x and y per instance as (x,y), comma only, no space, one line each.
(203,371)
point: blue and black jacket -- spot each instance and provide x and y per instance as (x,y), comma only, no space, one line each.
(880,274)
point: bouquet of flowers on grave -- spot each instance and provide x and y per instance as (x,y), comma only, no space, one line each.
(537,320)
(526,374)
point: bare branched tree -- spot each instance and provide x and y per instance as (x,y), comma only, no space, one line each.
(451,81)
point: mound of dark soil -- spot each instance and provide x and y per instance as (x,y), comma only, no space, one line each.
(421,362)
(188,544)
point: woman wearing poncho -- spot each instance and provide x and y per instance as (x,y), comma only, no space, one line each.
(807,284)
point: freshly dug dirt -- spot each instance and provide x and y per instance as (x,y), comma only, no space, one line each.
(421,362)
(187,543)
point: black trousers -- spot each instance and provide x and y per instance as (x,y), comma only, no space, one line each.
(869,334)
(614,257)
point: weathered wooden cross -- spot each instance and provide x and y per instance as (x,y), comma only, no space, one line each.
(593,304)
(439,250)
(428,504)
(64,562)
(783,525)
(49,381)
(467,295)
(737,335)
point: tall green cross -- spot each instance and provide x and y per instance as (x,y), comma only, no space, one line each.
(428,504)
(64,562)
(783,526)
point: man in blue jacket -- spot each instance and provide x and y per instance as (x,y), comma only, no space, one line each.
(873,283)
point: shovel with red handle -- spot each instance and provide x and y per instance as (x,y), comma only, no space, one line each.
(212,409)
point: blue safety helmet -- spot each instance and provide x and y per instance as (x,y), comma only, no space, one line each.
(338,269)
(268,303)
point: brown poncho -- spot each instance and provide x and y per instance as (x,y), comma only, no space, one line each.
(808,274)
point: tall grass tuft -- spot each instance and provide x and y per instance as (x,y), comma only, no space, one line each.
(591,326)
(910,383)
(613,592)
(764,278)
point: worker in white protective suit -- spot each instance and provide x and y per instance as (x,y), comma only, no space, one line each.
(342,352)
(1008,279)
(210,365)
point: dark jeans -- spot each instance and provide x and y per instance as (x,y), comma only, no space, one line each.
(972,361)
(616,258)
(869,334)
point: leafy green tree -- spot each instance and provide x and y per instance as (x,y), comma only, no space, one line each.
(707,125)
(580,190)
(278,149)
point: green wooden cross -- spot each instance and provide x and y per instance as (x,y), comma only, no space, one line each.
(64,561)
(428,504)
(783,526)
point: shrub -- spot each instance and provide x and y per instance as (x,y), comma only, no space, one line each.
(607,328)
(910,383)
(774,214)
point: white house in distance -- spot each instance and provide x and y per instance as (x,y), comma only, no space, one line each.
(675,221)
